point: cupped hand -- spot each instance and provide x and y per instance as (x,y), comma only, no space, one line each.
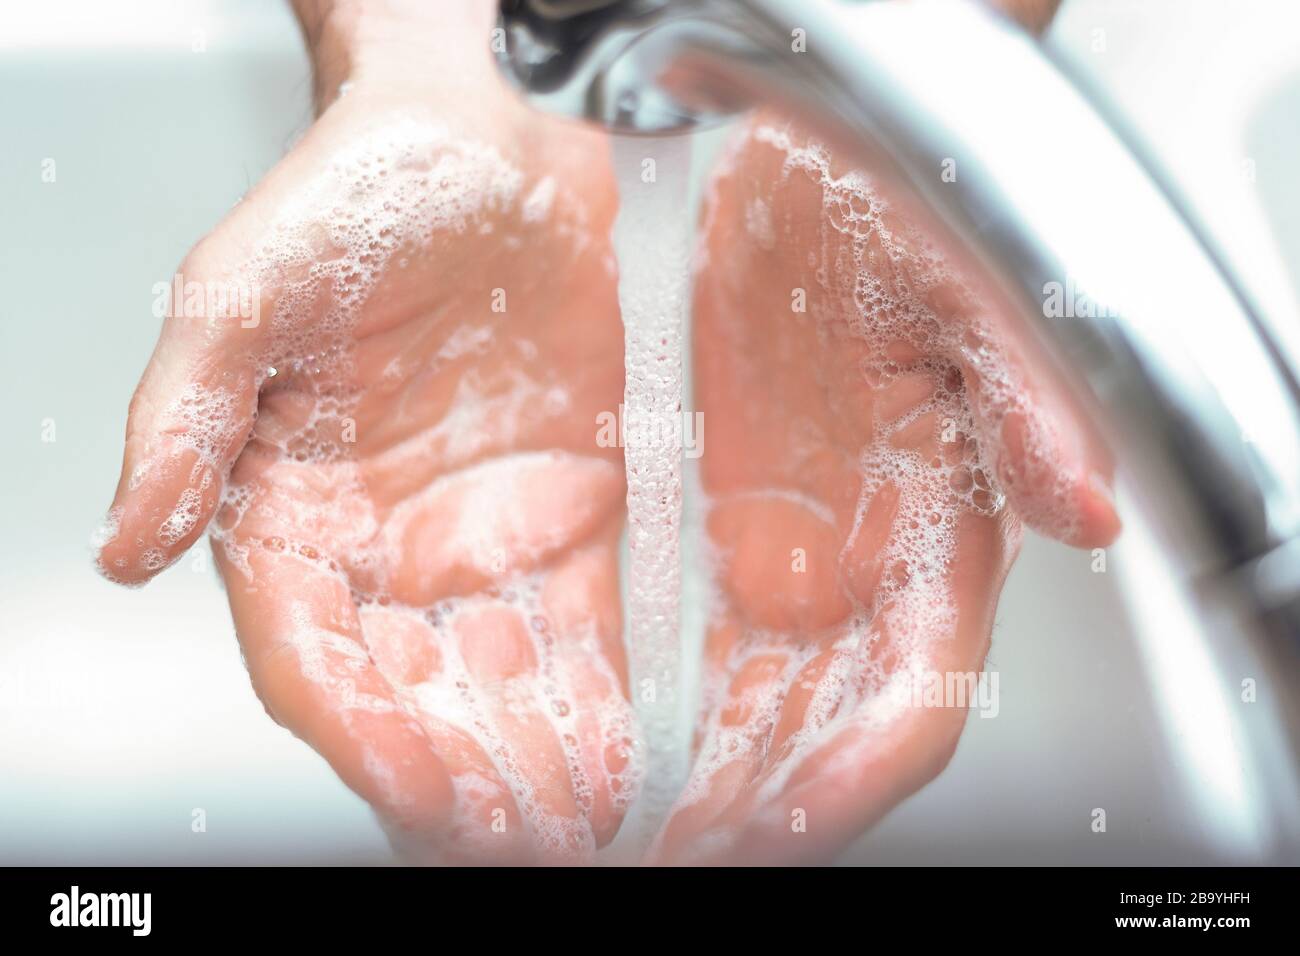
(391,439)
(873,443)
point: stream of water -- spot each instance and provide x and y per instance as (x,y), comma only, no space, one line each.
(652,238)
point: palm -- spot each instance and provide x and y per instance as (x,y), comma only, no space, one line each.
(859,536)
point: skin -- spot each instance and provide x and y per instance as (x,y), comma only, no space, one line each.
(421,460)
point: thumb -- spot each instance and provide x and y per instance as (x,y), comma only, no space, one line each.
(1056,472)
(194,408)
(188,421)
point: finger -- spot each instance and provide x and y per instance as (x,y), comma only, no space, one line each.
(487,827)
(1033,436)
(1053,470)
(582,629)
(193,409)
(527,708)
(302,642)
(503,667)
(865,760)
(733,752)
(796,708)
(190,417)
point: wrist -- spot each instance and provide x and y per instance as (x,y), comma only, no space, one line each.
(405,42)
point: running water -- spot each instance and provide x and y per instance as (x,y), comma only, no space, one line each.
(652,242)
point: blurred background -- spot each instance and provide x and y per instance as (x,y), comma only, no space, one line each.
(127,130)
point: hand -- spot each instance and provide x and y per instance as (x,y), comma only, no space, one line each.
(396,435)
(868,426)
(865,421)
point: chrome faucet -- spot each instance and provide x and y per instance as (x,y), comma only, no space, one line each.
(1171,360)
